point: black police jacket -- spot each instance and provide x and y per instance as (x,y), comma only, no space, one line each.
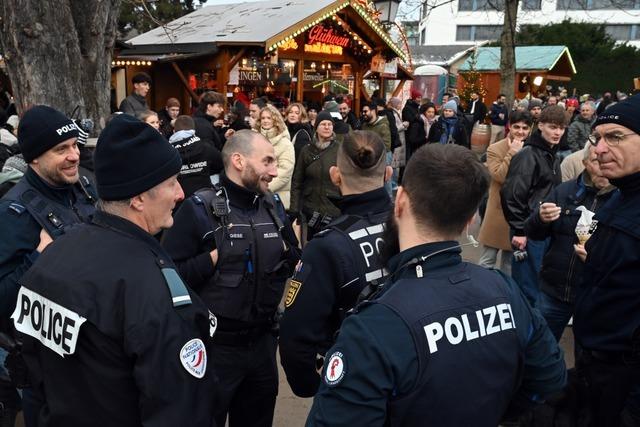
(199,161)
(336,266)
(31,205)
(606,313)
(245,286)
(442,332)
(561,271)
(532,174)
(112,337)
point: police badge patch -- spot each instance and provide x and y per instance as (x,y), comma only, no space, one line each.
(193,357)
(335,369)
(292,292)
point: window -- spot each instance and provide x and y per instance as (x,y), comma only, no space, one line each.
(597,4)
(531,4)
(423,37)
(473,5)
(478,32)
(623,32)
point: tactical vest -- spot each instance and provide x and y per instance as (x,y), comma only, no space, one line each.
(51,215)
(250,274)
(364,237)
(469,355)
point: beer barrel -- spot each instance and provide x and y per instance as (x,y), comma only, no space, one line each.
(480,137)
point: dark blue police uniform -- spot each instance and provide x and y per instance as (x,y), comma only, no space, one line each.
(31,205)
(257,251)
(607,311)
(112,337)
(447,343)
(337,265)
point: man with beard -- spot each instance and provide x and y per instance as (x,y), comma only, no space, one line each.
(112,336)
(606,319)
(348,116)
(234,245)
(533,173)
(50,198)
(340,264)
(439,325)
(499,116)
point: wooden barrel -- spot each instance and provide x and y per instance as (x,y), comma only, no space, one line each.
(480,137)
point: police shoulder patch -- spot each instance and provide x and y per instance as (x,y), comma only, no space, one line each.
(292,292)
(193,357)
(335,369)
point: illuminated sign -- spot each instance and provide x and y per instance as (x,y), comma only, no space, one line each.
(320,34)
(323,48)
(290,45)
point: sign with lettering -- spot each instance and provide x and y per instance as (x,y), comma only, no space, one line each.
(327,49)
(321,34)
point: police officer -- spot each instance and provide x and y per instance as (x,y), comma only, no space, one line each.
(112,336)
(606,318)
(339,263)
(446,342)
(50,197)
(235,246)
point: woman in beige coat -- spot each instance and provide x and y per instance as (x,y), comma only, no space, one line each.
(271,124)
(494,231)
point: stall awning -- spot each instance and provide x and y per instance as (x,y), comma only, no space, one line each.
(528,58)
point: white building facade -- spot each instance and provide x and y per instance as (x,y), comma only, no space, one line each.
(475,21)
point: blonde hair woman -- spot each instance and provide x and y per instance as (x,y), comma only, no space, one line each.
(272,126)
(299,127)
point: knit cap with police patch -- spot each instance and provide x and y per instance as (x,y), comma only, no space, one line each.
(131,157)
(41,129)
(624,113)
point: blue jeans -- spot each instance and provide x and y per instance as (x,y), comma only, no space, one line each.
(525,272)
(557,313)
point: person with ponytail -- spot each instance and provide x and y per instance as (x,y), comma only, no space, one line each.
(341,264)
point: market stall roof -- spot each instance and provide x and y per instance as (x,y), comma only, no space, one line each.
(528,58)
(263,23)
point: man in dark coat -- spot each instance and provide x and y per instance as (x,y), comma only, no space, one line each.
(136,103)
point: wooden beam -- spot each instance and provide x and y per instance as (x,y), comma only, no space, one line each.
(399,88)
(300,82)
(180,74)
(237,57)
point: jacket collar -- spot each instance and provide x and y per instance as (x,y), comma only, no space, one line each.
(450,255)
(362,204)
(628,184)
(536,140)
(239,196)
(63,194)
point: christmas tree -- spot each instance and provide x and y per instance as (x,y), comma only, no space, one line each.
(472,81)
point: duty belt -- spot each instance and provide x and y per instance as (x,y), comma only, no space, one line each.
(614,357)
(242,337)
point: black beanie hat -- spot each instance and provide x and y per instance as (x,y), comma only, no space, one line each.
(42,128)
(322,116)
(625,113)
(131,157)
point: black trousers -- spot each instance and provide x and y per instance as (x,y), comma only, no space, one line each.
(614,391)
(248,382)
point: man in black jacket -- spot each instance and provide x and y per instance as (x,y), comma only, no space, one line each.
(339,263)
(136,103)
(210,109)
(561,271)
(533,173)
(607,319)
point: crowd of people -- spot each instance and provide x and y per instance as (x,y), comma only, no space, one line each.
(156,277)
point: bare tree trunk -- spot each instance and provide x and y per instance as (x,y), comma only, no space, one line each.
(507,51)
(58,52)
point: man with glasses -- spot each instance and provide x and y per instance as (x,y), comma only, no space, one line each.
(607,315)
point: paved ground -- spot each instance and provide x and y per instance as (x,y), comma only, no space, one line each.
(291,411)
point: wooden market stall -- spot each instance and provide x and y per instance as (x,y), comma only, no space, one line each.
(289,51)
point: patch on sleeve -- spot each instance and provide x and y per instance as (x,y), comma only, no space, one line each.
(336,369)
(292,292)
(55,326)
(193,357)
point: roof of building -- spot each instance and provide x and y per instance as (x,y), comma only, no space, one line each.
(438,54)
(251,23)
(527,58)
